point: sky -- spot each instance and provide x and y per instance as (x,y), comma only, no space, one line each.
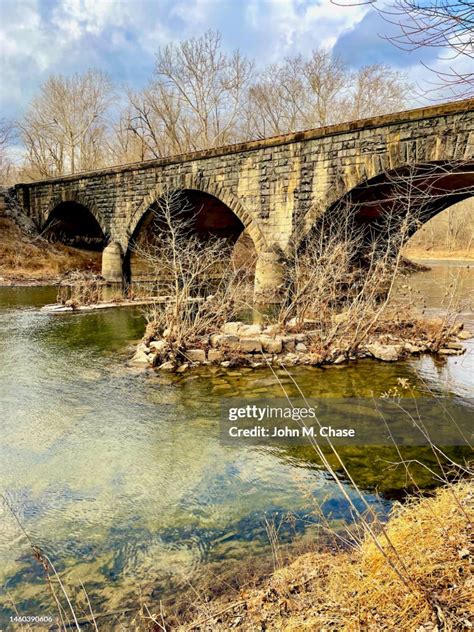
(121,37)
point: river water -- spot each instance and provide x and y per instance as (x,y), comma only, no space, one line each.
(121,478)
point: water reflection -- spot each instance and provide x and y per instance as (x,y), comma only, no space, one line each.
(121,477)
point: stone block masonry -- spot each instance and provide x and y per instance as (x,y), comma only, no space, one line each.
(272,185)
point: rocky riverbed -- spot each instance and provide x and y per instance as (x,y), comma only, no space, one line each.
(254,345)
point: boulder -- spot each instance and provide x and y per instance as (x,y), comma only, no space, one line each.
(339,359)
(228,340)
(271,329)
(214,339)
(231,327)
(464,335)
(215,355)
(250,345)
(158,345)
(271,345)
(411,348)
(153,359)
(387,353)
(226,364)
(300,337)
(183,368)
(195,355)
(453,352)
(288,343)
(140,358)
(167,366)
(300,346)
(250,330)
(457,346)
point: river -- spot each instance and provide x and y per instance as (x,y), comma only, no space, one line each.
(121,478)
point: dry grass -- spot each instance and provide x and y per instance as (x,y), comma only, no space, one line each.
(24,259)
(358,590)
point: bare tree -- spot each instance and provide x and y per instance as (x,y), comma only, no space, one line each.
(200,286)
(64,128)
(6,134)
(304,93)
(195,100)
(444,25)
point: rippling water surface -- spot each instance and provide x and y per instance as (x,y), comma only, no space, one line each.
(120,477)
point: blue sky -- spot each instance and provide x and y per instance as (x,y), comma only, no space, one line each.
(39,37)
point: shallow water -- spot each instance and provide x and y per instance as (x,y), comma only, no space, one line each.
(121,477)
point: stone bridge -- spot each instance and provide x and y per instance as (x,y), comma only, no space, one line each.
(270,188)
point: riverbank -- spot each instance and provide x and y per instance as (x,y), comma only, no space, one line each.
(413,574)
(33,261)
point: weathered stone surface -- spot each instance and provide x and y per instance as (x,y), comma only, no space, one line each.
(387,353)
(411,348)
(270,184)
(250,330)
(289,343)
(339,359)
(464,335)
(167,366)
(453,352)
(250,345)
(300,346)
(183,368)
(232,327)
(215,355)
(271,345)
(140,358)
(195,355)
(454,345)
(228,340)
(158,345)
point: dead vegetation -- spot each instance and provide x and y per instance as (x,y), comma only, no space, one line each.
(356,589)
(24,259)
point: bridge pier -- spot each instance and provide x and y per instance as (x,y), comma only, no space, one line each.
(112,263)
(269,276)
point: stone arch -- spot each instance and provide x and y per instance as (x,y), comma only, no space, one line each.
(87,227)
(447,182)
(204,186)
(78,198)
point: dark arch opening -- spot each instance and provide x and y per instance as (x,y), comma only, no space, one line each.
(417,193)
(206,217)
(74,225)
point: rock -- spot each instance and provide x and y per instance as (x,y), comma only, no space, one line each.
(271,345)
(140,358)
(167,366)
(387,353)
(454,345)
(271,329)
(300,337)
(158,345)
(339,359)
(465,335)
(195,355)
(183,368)
(228,340)
(226,364)
(451,351)
(288,343)
(214,355)
(231,327)
(250,330)
(411,348)
(214,339)
(143,347)
(250,345)
(300,346)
